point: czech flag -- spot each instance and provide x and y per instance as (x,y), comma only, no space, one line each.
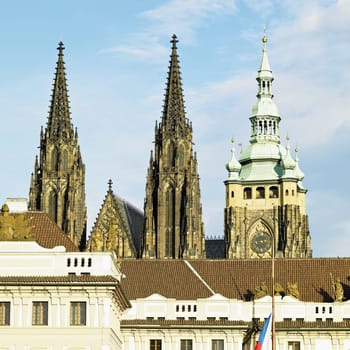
(264,338)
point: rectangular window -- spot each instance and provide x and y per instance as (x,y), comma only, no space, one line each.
(293,345)
(40,313)
(4,313)
(217,344)
(155,344)
(78,313)
(186,344)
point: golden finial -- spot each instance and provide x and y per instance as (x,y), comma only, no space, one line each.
(264,39)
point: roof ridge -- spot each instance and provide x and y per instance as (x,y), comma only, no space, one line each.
(125,201)
(199,276)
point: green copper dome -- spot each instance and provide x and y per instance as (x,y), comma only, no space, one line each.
(264,159)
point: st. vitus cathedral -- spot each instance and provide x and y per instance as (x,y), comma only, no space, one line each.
(265,212)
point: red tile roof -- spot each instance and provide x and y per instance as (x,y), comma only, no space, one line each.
(47,232)
(236,279)
(170,278)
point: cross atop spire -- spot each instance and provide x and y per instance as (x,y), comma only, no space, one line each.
(110,183)
(60,49)
(174,41)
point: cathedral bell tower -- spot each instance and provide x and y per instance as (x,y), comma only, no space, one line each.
(265,210)
(173,213)
(58,182)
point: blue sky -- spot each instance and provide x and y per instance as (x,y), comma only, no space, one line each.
(117,55)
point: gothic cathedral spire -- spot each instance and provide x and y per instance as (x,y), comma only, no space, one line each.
(173,212)
(265,212)
(58,182)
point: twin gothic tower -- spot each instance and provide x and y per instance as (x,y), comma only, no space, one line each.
(265,201)
(173,211)
(57,185)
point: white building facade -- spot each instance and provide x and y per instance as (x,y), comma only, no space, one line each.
(215,305)
(53,299)
(221,323)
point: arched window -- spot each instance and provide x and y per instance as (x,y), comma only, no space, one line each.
(170,222)
(181,156)
(260,192)
(273,192)
(65,160)
(247,193)
(171,154)
(54,159)
(53,206)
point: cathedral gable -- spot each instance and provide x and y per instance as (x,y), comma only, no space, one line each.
(113,229)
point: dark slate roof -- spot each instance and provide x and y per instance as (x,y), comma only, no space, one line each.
(235,279)
(134,218)
(215,248)
(47,233)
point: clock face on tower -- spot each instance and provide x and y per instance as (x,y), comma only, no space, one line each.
(261,242)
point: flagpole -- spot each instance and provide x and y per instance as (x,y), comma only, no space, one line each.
(273,335)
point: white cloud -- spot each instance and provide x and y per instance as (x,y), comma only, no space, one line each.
(328,210)
(145,48)
(183,16)
(263,7)
(180,17)
(307,56)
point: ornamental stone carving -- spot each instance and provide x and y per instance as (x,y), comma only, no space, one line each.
(14,227)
